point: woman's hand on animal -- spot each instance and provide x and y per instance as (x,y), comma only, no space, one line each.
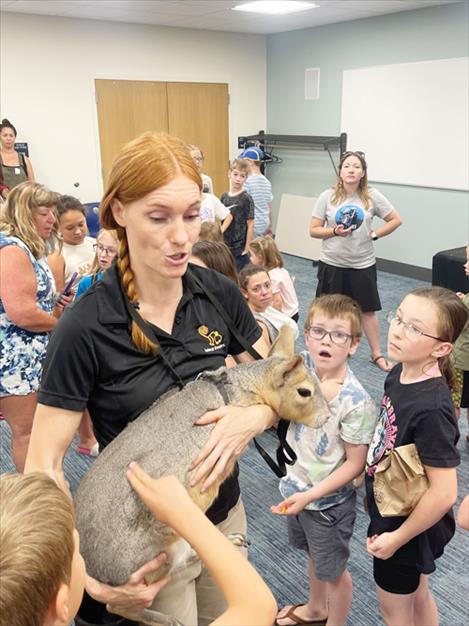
(135,593)
(292,505)
(382,546)
(235,428)
(165,497)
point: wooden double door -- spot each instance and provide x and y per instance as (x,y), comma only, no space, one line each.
(195,112)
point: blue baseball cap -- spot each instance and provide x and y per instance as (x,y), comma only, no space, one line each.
(255,154)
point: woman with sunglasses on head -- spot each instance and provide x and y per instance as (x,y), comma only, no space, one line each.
(138,333)
(342,218)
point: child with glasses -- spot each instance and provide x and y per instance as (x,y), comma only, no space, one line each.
(343,219)
(416,409)
(105,248)
(319,495)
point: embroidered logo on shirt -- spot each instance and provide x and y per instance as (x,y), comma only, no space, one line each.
(214,338)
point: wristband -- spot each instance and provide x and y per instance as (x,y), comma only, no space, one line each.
(333,231)
(374,236)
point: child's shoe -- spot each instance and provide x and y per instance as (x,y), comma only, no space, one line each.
(94,451)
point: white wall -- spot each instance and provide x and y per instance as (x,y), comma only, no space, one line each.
(47,84)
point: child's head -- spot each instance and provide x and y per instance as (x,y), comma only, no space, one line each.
(106,247)
(264,251)
(42,574)
(210,231)
(237,174)
(424,327)
(215,255)
(72,220)
(333,328)
(197,155)
(253,157)
(256,287)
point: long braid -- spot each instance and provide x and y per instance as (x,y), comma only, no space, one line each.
(142,342)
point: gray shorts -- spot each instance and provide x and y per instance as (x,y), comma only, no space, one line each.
(325,535)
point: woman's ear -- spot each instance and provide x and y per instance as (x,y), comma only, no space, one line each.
(118,212)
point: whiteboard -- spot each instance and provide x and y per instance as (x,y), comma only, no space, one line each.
(292,231)
(411,120)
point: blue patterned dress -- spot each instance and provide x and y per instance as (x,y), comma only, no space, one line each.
(22,351)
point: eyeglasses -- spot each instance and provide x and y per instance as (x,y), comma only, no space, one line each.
(100,249)
(337,336)
(411,331)
(198,158)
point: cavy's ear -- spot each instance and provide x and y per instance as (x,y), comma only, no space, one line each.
(284,345)
(285,372)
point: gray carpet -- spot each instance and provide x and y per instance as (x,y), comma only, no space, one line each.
(284,568)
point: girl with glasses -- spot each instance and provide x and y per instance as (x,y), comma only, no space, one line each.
(416,409)
(105,248)
(343,219)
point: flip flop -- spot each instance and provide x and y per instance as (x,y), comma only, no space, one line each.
(296,619)
(375,362)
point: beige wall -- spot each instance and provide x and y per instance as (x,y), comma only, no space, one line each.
(48,67)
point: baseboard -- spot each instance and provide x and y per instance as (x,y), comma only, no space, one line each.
(404,269)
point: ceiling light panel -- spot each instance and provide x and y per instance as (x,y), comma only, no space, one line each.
(275,7)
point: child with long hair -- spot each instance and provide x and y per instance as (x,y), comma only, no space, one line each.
(264,252)
(106,248)
(416,409)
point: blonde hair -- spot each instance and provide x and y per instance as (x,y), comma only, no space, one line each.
(17,216)
(95,268)
(266,249)
(337,305)
(36,546)
(363,190)
(239,164)
(142,165)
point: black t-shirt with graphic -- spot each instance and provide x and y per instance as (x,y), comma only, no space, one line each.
(420,413)
(241,207)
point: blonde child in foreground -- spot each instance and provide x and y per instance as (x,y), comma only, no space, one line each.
(264,252)
(42,574)
(318,489)
(416,408)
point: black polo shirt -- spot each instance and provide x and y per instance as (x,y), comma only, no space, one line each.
(91,360)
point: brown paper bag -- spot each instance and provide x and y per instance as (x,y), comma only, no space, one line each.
(400,481)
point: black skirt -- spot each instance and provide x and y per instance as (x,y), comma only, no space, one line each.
(359,284)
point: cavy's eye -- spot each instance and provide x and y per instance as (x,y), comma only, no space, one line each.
(305,393)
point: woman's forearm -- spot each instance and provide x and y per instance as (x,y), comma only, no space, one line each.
(32,319)
(321,232)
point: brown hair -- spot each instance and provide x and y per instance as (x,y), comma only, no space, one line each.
(69,203)
(142,165)
(452,318)
(247,272)
(217,256)
(17,216)
(36,546)
(363,190)
(266,249)
(210,231)
(336,305)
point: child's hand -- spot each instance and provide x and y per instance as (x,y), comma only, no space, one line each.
(382,546)
(292,505)
(165,497)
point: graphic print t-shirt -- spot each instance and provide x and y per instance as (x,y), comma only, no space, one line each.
(241,207)
(355,250)
(420,413)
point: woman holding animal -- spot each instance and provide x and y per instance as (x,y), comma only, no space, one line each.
(153,200)
(342,218)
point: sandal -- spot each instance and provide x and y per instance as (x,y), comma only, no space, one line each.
(386,368)
(296,619)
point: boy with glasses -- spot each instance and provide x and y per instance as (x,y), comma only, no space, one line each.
(319,495)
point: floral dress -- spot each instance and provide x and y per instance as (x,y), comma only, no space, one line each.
(22,351)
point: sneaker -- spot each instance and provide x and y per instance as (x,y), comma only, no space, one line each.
(94,451)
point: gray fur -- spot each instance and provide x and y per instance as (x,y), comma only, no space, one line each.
(118,534)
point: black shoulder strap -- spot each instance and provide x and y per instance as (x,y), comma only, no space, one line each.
(285,454)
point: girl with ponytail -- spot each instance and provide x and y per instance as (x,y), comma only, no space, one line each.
(417,409)
(141,330)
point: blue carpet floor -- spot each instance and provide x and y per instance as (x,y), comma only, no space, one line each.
(284,568)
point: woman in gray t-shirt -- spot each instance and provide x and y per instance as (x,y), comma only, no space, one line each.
(342,218)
